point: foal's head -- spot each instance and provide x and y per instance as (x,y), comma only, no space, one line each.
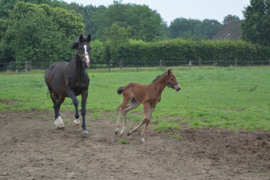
(171,80)
(83,49)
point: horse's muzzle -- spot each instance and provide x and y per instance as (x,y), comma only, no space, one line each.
(86,63)
(178,88)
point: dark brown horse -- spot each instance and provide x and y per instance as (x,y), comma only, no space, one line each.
(70,80)
(148,95)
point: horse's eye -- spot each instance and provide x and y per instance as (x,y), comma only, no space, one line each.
(171,79)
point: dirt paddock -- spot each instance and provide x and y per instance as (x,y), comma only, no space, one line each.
(31,148)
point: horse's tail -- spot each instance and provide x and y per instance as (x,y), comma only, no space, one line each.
(47,73)
(120,90)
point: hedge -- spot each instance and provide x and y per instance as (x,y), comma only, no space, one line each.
(185,50)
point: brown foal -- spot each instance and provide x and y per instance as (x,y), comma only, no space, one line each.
(148,95)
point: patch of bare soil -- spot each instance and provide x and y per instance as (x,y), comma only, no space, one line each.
(31,148)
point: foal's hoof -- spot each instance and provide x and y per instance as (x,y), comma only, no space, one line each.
(128,134)
(116,132)
(85,132)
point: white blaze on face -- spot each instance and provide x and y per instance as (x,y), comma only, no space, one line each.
(86,56)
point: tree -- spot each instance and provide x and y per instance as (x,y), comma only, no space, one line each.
(144,22)
(257,22)
(41,33)
(233,17)
(113,39)
(87,14)
(6,5)
(199,30)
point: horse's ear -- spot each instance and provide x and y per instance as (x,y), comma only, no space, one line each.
(75,45)
(88,38)
(169,71)
(81,38)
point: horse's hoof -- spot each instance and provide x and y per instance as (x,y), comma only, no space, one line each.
(128,134)
(76,125)
(85,132)
(61,126)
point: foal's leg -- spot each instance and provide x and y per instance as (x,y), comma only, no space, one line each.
(58,122)
(120,108)
(84,98)
(145,119)
(147,123)
(133,105)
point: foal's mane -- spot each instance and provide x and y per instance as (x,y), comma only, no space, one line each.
(75,44)
(158,77)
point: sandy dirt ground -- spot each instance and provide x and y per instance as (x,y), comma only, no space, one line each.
(32,148)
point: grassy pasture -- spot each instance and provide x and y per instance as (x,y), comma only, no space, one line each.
(233,98)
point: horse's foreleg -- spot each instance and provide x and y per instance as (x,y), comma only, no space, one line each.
(84,98)
(76,103)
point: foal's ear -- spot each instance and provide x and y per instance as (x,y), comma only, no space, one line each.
(81,38)
(170,71)
(88,38)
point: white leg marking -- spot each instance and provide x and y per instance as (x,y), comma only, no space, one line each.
(121,133)
(76,123)
(59,122)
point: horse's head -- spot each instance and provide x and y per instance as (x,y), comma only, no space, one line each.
(171,80)
(83,49)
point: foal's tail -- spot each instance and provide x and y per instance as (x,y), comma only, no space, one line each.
(120,90)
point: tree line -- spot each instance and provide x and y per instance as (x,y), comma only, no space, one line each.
(42,30)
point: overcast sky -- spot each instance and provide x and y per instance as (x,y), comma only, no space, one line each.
(194,9)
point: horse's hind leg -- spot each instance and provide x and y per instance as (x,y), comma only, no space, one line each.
(133,105)
(58,122)
(120,108)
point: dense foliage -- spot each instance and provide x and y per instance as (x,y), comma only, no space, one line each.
(194,29)
(42,31)
(257,22)
(144,22)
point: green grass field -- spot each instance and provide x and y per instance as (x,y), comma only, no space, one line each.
(233,98)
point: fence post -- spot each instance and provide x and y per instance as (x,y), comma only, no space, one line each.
(160,63)
(137,66)
(235,61)
(109,66)
(30,65)
(220,64)
(269,62)
(164,65)
(190,65)
(25,66)
(200,62)
(121,63)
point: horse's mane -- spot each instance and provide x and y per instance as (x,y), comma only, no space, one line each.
(158,77)
(75,44)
